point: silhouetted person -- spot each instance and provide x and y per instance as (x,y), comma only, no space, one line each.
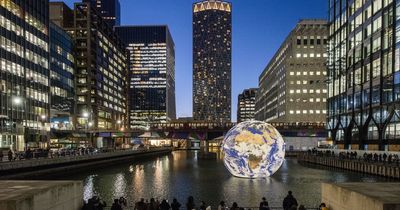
(322,206)
(222,205)
(164,205)
(122,201)
(234,206)
(10,155)
(141,205)
(175,205)
(203,205)
(190,203)
(264,204)
(152,205)
(116,205)
(289,201)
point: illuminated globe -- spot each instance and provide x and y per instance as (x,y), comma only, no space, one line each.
(253,149)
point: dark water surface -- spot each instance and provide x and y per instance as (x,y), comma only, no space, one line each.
(181,174)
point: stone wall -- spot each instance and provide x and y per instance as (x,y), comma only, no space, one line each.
(361,196)
(41,195)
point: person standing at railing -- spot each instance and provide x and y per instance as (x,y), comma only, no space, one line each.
(264,204)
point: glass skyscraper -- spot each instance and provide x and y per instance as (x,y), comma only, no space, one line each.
(212,66)
(151,74)
(364,74)
(62,82)
(24,74)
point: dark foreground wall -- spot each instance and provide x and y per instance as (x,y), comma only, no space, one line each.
(29,168)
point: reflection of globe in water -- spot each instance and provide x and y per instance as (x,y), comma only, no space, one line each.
(253,149)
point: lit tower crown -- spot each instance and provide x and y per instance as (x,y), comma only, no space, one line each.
(212,58)
(212,5)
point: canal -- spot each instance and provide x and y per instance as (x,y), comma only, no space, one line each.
(181,174)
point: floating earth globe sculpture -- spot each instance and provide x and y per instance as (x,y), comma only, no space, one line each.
(253,149)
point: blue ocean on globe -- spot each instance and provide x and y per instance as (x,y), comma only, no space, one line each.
(253,149)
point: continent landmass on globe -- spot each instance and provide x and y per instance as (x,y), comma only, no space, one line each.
(254,161)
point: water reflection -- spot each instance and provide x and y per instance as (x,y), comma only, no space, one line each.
(181,174)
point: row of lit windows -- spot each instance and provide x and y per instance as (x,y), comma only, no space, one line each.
(11,67)
(305,40)
(307,111)
(308,91)
(10,25)
(311,55)
(306,100)
(37,95)
(37,77)
(36,41)
(17,49)
(305,82)
(306,73)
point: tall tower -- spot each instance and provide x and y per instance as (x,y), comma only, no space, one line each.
(151,74)
(212,55)
(110,10)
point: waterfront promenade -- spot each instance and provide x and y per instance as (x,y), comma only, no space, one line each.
(362,164)
(23,168)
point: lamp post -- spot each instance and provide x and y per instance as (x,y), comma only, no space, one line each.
(16,101)
(89,124)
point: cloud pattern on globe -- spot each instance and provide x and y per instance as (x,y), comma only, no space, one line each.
(253,149)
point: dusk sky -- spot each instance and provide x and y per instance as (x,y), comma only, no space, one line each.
(259,27)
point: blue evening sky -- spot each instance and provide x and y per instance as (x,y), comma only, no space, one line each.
(259,27)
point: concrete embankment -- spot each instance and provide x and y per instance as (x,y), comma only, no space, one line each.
(41,195)
(27,168)
(378,169)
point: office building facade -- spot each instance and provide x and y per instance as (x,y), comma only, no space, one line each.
(24,74)
(62,79)
(110,10)
(100,70)
(246,105)
(364,74)
(292,87)
(212,61)
(151,75)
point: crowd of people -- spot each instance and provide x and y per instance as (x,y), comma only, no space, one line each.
(29,153)
(289,203)
(353,155)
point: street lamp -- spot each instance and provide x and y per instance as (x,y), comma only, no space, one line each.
(43,117)
(85,115)
(17,100)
